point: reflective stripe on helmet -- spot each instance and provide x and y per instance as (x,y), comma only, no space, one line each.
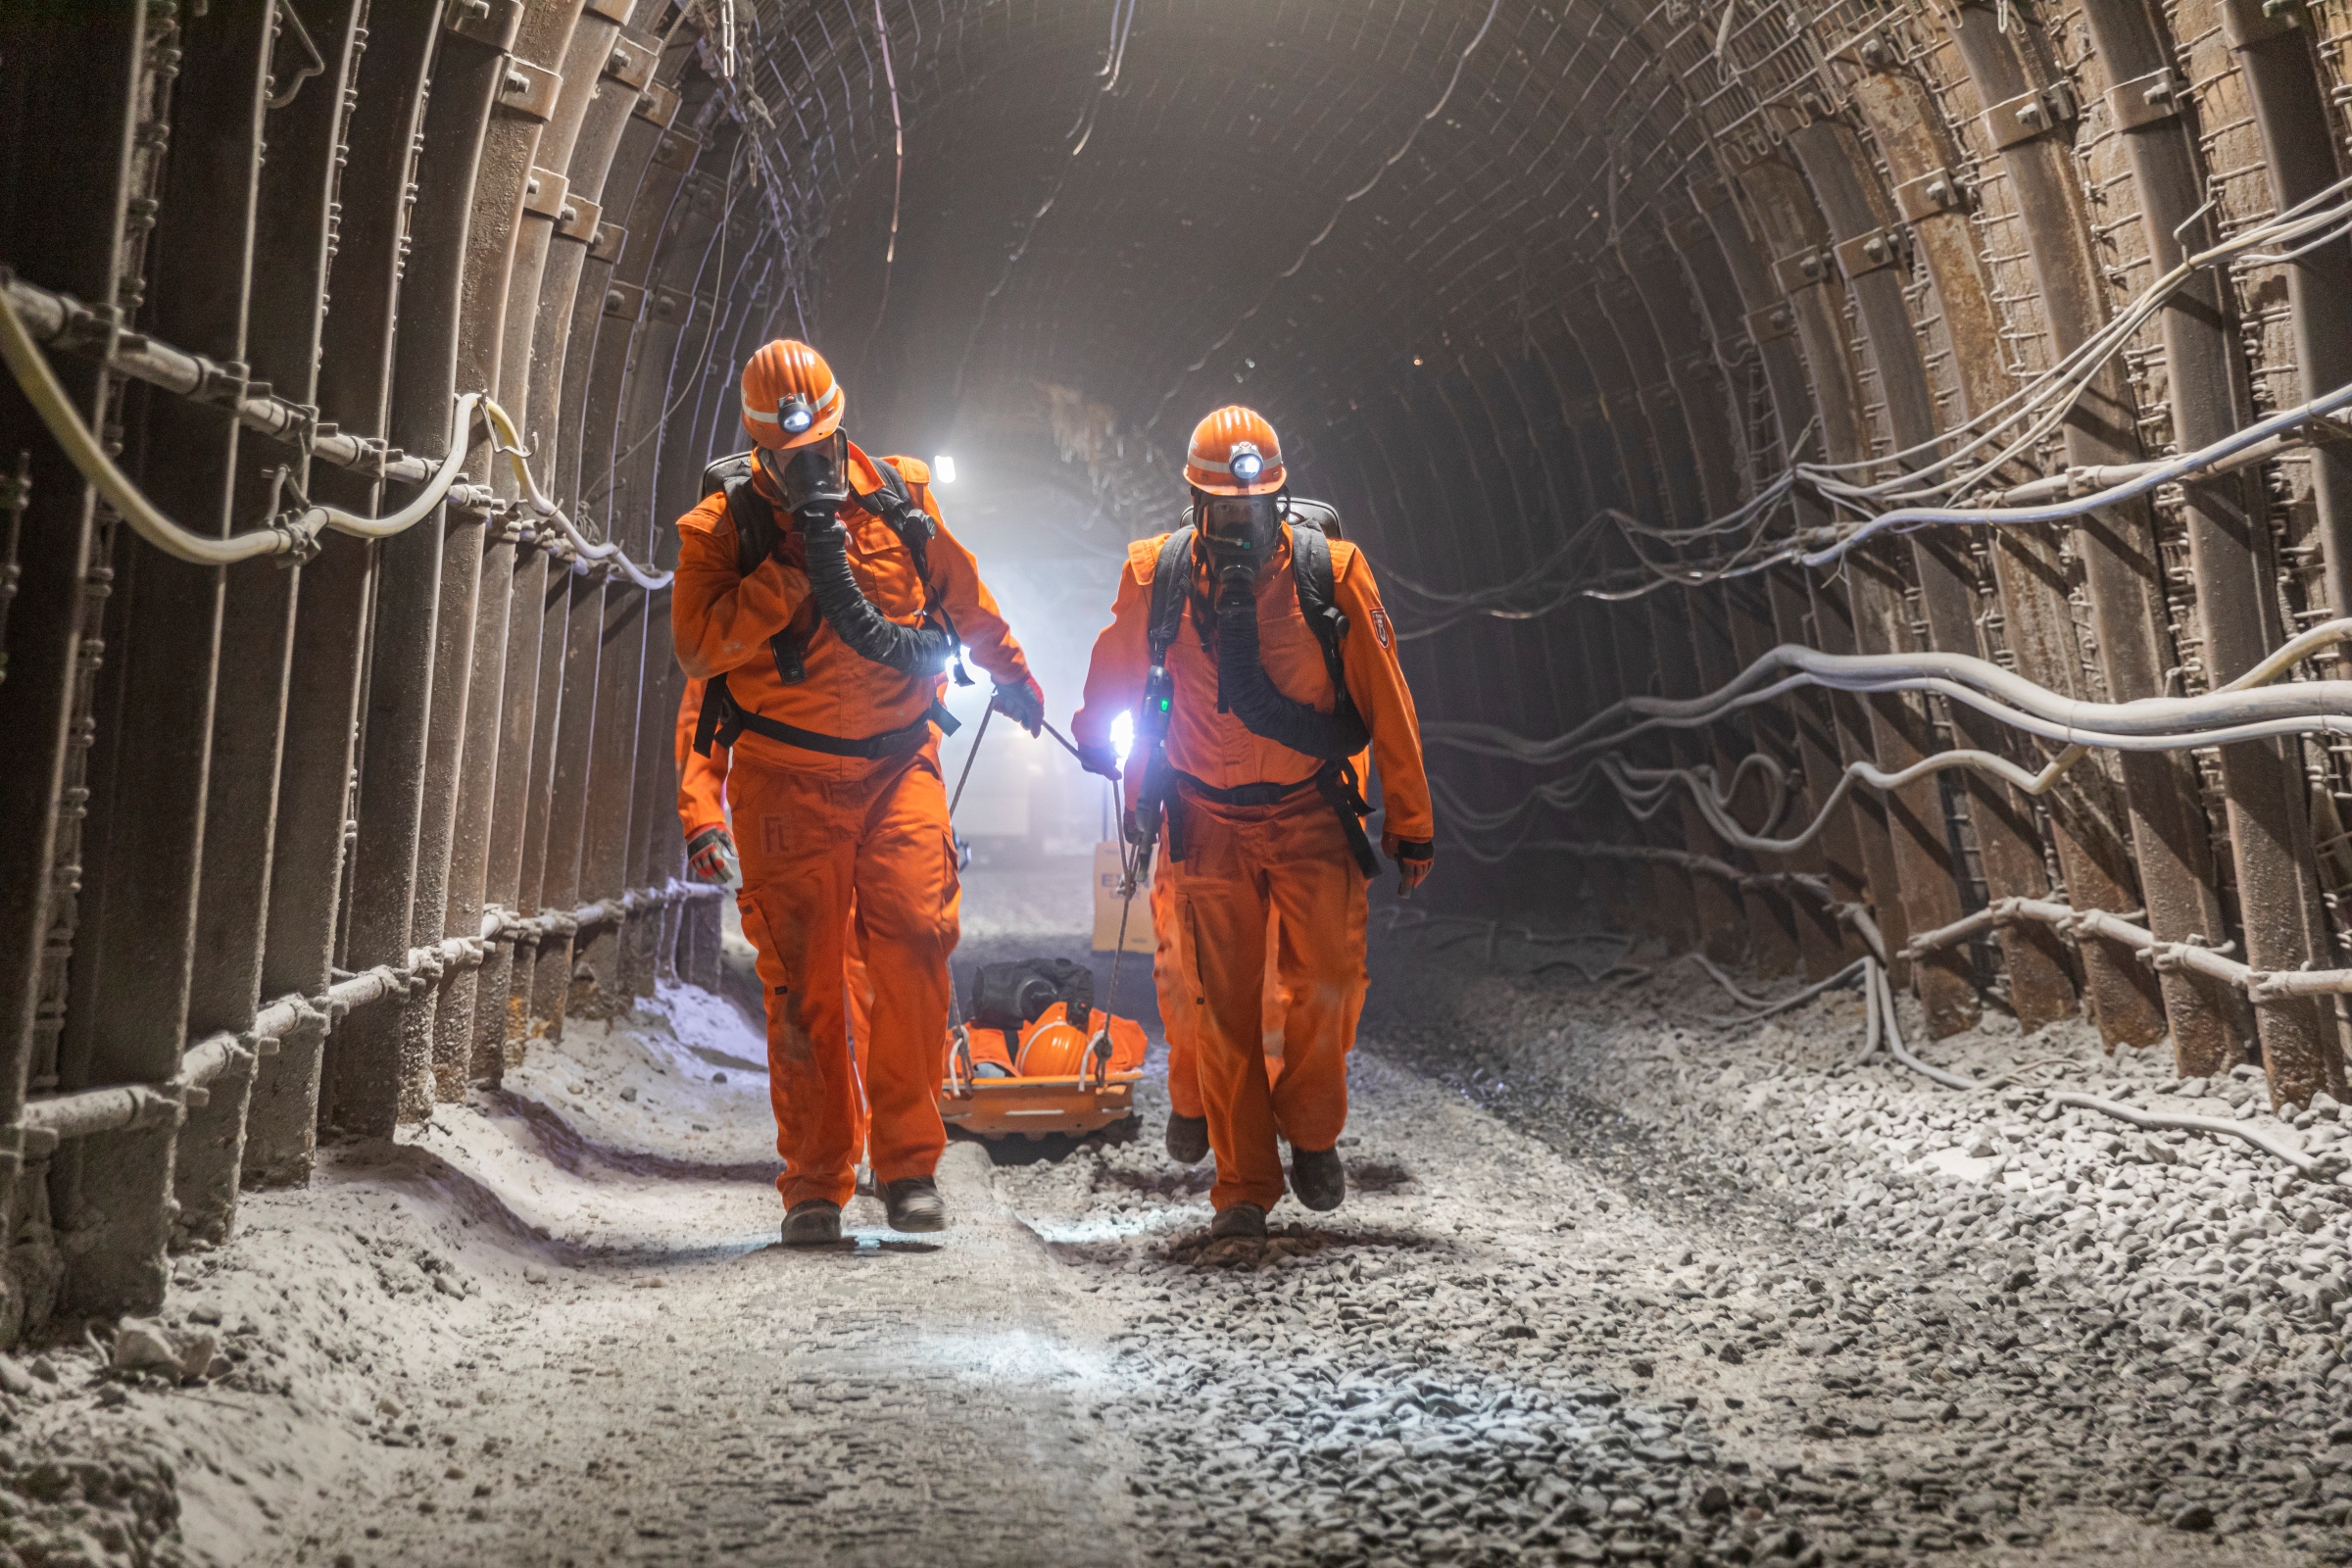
(1210,465)
(821,406)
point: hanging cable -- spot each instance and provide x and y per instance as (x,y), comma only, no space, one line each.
(1387,163)
(2236,712)
(1083,129)
(897,182)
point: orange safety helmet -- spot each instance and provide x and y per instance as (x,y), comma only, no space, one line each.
(1051,1047)
(790,398)
(1235,452)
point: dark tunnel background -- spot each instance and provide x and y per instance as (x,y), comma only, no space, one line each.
(339,736)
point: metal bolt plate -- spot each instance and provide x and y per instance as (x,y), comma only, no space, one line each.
(631,63)
(1771,323)
(2147,101)
(491,22)
(624,301)
(530,92)
(2247,22)
(1804,271)
(1933,192)
(544,193)
(2027,114)
(658,105)
(580,222)
(1869,253)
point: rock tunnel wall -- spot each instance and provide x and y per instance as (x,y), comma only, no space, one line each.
(1861,487)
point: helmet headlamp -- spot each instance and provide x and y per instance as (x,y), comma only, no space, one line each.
(795,415)
(1244,462)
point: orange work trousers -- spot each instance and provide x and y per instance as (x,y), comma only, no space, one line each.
(861,992)
(1180,1004)
(817,854)
(702,803)
(1242,865)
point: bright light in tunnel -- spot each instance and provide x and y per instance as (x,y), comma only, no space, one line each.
(1122,735)
(943,470)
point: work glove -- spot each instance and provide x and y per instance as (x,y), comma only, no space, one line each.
(1101,759)
(1140,831)
(1024,705)
(1414,859)
(711,858)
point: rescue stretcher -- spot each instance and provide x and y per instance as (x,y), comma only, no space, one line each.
(1045,1078)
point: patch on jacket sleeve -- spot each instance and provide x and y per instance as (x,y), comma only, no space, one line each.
(1380,627)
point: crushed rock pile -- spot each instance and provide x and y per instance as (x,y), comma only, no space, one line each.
(2149,1320)
(62,1504)
(1612,1288)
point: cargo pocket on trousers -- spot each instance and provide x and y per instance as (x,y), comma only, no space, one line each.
(951,887)
(1190,971)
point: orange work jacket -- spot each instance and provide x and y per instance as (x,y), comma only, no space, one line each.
(721,622)
(1215,748)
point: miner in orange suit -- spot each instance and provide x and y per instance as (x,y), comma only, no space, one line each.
(824,602)
(1256,657)
(710,857)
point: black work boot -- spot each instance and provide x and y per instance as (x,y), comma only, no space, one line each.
(1318,1178)
(1242,1219)
(816,1222)
(1188,1138)
(914,1205)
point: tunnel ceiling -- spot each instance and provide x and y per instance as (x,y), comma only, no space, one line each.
(1172,206)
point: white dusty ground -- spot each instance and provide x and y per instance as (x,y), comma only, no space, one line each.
(1611,1285)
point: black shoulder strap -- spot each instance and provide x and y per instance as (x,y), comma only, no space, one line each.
(1318,602)
(720,719)
(755,531)
(1171,583)
(756,538)
(894,505)
(1318,598)
(1320,514)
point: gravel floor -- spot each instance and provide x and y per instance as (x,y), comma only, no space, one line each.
(1612,1284)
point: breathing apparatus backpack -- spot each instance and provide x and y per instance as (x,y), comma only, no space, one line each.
(1012,996)
(758,532)
(1341,732)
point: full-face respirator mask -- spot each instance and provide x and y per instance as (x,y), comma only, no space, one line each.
(1239,533)
(812,479)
